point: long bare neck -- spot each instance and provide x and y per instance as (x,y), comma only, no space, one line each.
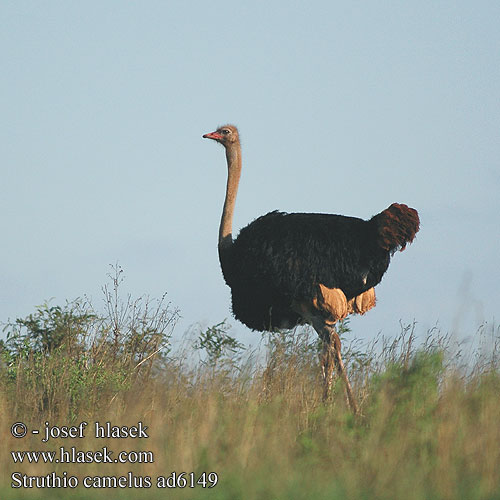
(233,156)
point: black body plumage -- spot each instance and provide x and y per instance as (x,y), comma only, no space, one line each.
(280,259)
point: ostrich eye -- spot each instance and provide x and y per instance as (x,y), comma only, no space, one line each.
(225,131)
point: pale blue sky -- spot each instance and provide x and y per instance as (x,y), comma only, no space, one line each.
(343,107)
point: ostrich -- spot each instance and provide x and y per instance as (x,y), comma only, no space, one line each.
(286,269)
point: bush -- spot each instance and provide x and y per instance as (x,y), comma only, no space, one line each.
(68,359)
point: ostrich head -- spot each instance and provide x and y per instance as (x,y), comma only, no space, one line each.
(226,135)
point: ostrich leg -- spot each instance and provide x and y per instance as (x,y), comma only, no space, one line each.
(331,356)
(327,363)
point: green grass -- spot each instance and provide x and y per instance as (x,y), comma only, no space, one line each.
(430,426)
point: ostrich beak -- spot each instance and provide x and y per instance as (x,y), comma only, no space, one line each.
(213,135)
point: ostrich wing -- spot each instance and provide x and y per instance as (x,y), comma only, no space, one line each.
(294,253)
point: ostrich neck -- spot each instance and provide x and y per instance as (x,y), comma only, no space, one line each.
(233,156)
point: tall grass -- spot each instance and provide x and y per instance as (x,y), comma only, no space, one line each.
(429,427)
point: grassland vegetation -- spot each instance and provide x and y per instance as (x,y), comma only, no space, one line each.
(429,429)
